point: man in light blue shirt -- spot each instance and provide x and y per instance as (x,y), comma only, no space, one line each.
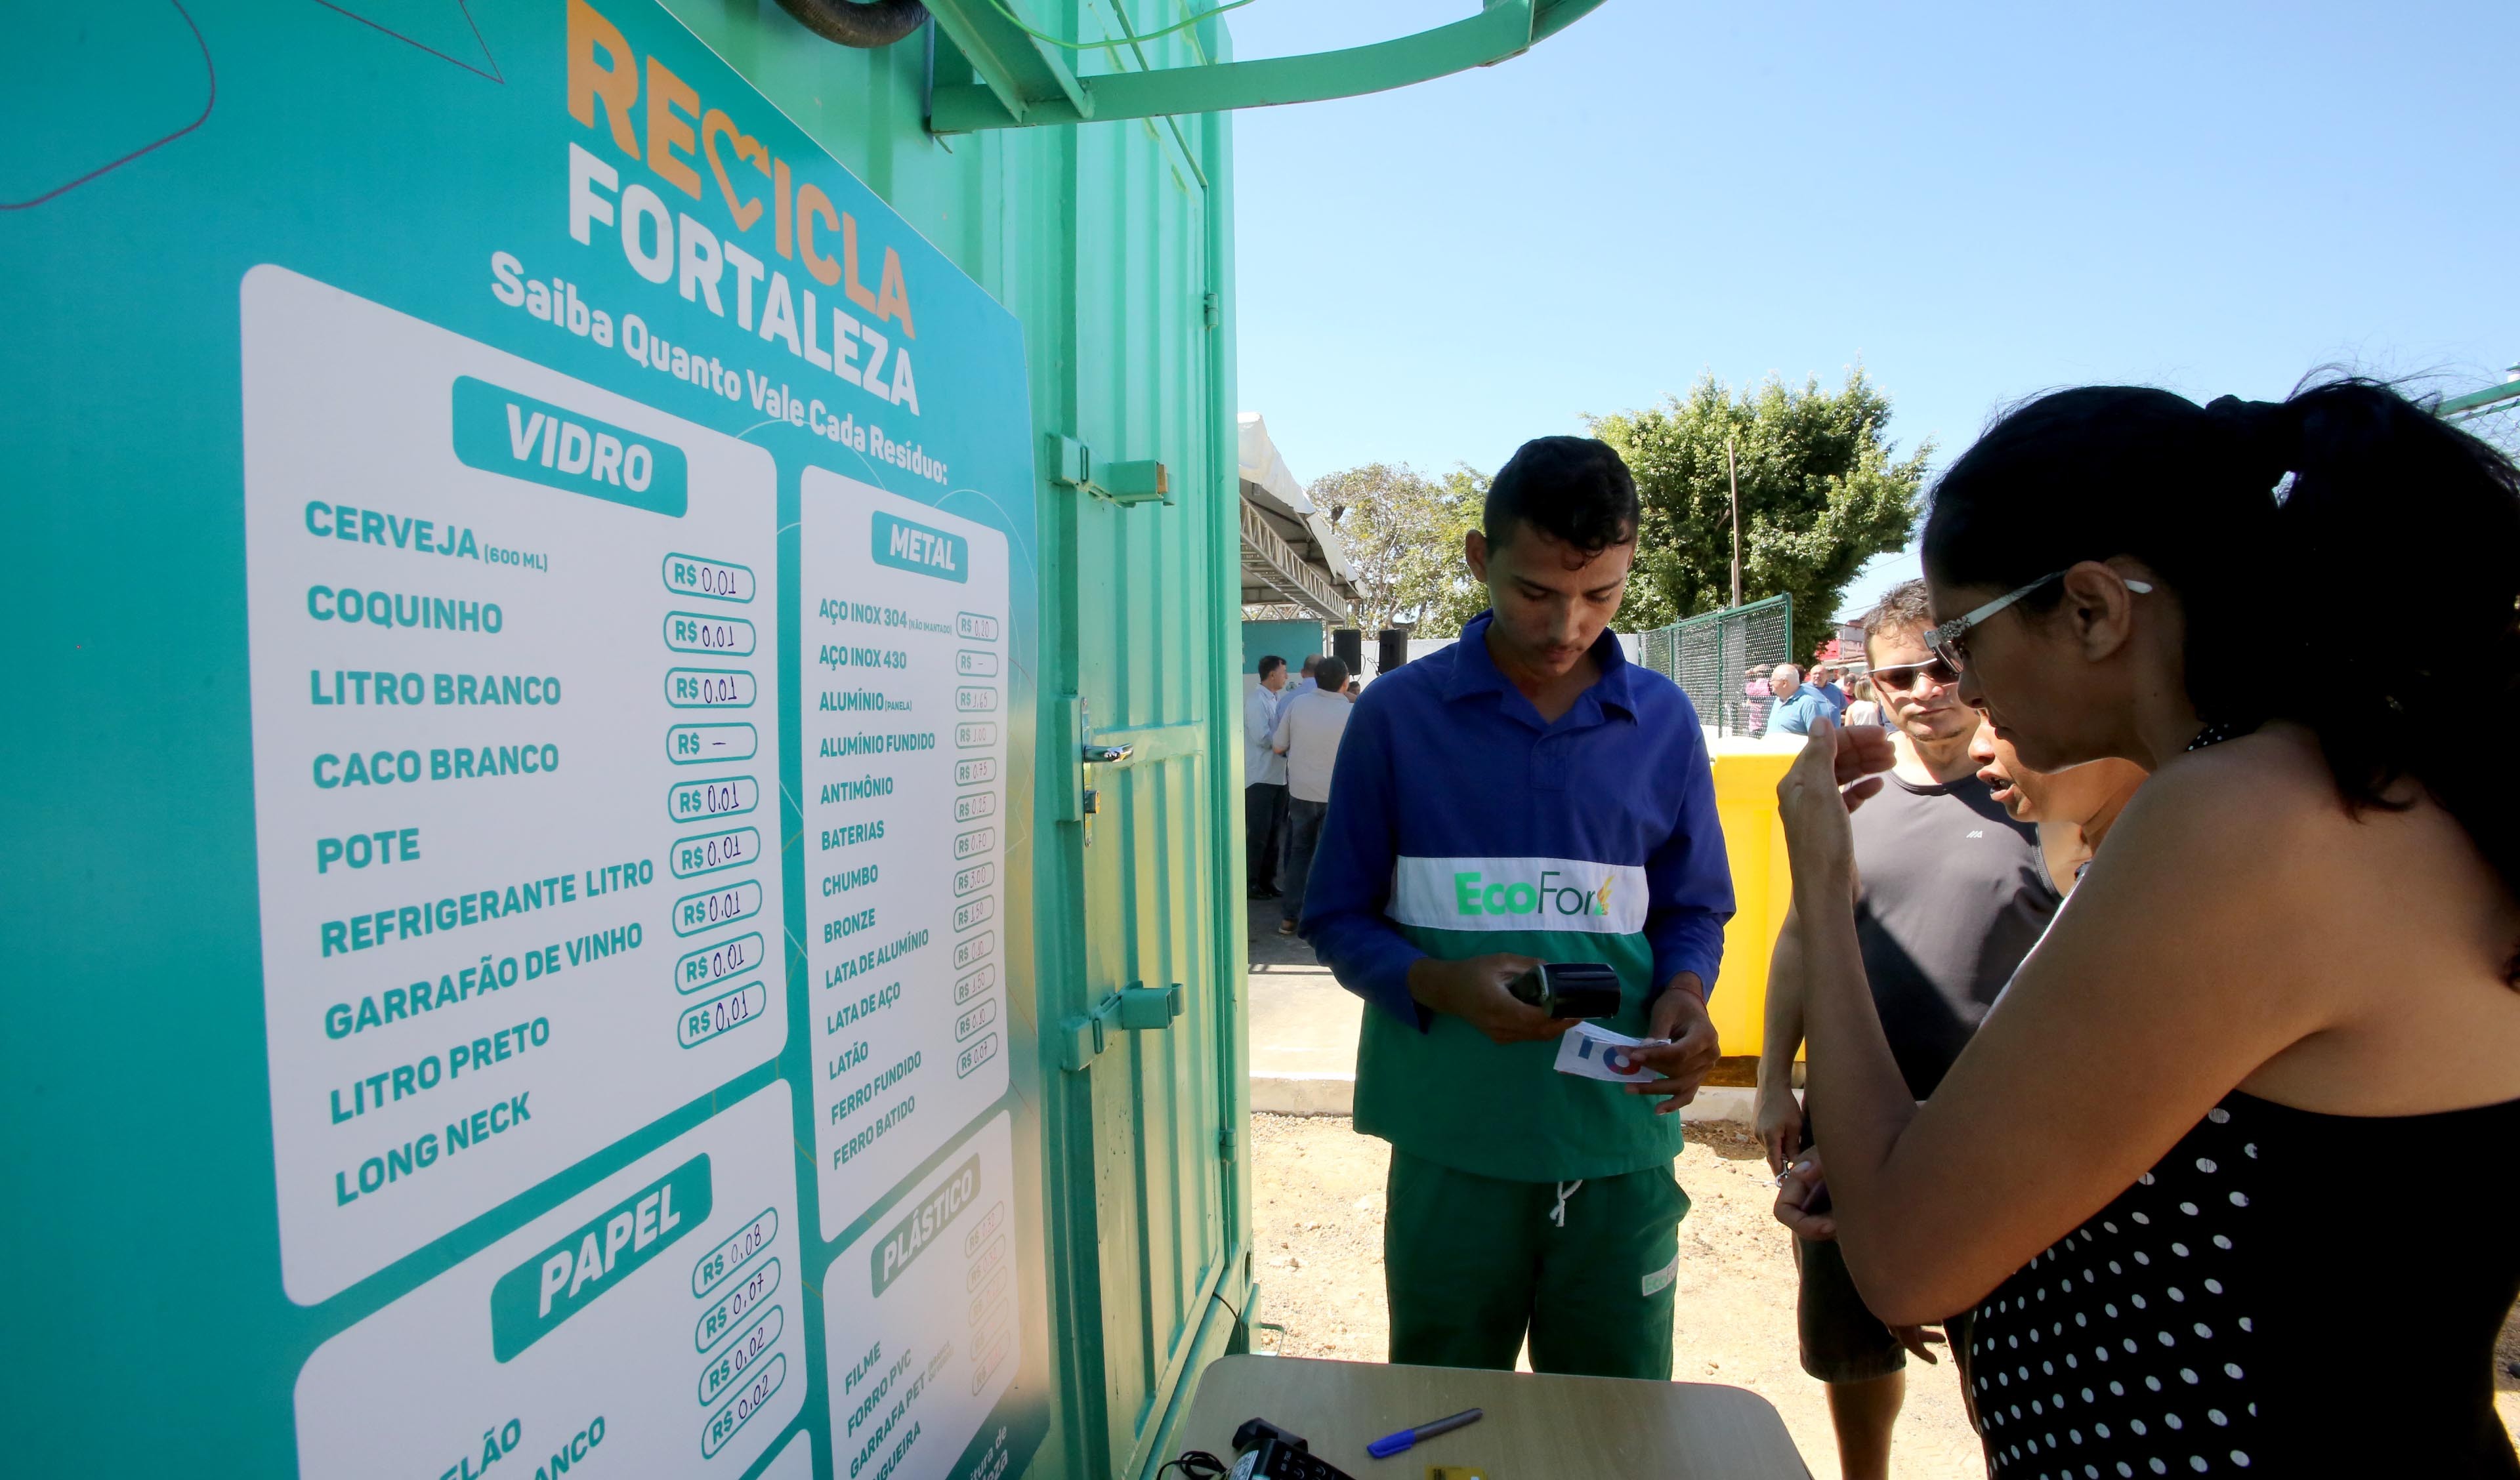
(1264,780)
(1823,679)
(1797,703)
(1310,727)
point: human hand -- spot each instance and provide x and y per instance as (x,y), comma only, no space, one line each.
(1779,1124)
(1836,771)
(1920,1340)
(1680,1016)
(1802,1199)
(1473,990)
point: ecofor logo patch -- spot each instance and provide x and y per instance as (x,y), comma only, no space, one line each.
(1555,894)
(1518,894)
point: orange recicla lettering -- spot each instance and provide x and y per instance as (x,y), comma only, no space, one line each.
(615,84)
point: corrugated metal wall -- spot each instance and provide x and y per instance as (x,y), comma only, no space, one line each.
(1112,242)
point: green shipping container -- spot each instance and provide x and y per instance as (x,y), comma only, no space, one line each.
(629,858)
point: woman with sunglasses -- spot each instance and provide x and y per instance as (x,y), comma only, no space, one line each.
(2292,962)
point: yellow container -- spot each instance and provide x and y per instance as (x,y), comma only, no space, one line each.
(1746,799)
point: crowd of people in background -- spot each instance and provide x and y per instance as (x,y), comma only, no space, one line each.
(2104,954)
(1290,742)
(1306,736)
(1781,700)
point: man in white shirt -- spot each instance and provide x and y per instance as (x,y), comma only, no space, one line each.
(1264,778)
(1307,734)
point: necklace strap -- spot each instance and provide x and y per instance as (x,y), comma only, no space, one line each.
(2216,731)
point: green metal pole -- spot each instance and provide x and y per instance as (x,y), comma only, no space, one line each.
(1025,82)
(2459,408)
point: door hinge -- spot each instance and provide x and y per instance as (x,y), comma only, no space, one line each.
(1211,307)
(1225,1150)
(1073,463)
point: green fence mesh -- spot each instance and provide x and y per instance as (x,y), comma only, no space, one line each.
(1719,657)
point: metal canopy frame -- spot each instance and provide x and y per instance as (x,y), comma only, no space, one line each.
(1271,566)
(1024,83)
(2477,402)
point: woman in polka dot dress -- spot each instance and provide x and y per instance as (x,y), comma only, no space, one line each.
(2171,1182)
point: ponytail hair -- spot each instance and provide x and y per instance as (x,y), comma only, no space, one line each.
(2372,599)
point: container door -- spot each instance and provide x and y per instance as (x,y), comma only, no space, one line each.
(1153,611)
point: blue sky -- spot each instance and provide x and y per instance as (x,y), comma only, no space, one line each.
(1976,201)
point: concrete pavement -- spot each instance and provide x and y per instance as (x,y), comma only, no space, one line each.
(1304,1025)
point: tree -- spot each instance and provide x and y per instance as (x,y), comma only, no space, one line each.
(1403,537)
(1820,494)
(1451,598)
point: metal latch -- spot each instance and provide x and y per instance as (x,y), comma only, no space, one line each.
(1144,1010)
(1134,1008)
(1089,755)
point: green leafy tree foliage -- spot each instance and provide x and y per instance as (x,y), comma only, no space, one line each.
(1450,597)
(1403,536)
(1820,494)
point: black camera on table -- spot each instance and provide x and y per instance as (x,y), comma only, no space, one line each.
(1265,1451)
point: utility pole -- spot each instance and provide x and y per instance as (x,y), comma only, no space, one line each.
(1733,474)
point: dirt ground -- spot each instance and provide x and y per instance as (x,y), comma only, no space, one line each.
(1318,1186)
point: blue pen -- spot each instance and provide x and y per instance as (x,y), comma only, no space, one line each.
(1391,1443)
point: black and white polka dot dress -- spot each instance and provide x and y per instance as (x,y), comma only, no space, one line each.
(2242,1311)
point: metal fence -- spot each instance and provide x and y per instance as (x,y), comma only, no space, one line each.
(1718,657)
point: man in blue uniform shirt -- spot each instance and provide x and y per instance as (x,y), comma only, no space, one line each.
(1527,795)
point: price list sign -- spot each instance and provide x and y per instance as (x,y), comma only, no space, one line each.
(903,681)
(649,1325)
(516,757)
(920,1317)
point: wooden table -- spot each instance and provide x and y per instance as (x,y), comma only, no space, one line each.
(1538,1427)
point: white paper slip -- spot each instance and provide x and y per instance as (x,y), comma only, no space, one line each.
(1592,1052)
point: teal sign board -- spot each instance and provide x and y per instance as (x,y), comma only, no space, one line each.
(527,566)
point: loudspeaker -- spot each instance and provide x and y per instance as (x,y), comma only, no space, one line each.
(1348,645)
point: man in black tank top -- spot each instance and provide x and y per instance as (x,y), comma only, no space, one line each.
(1954,892)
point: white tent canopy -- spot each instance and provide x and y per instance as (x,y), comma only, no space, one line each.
(1291,553)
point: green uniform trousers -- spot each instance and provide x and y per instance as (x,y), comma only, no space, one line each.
(1586,1269)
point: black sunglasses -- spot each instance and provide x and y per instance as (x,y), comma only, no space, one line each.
(1905,675)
